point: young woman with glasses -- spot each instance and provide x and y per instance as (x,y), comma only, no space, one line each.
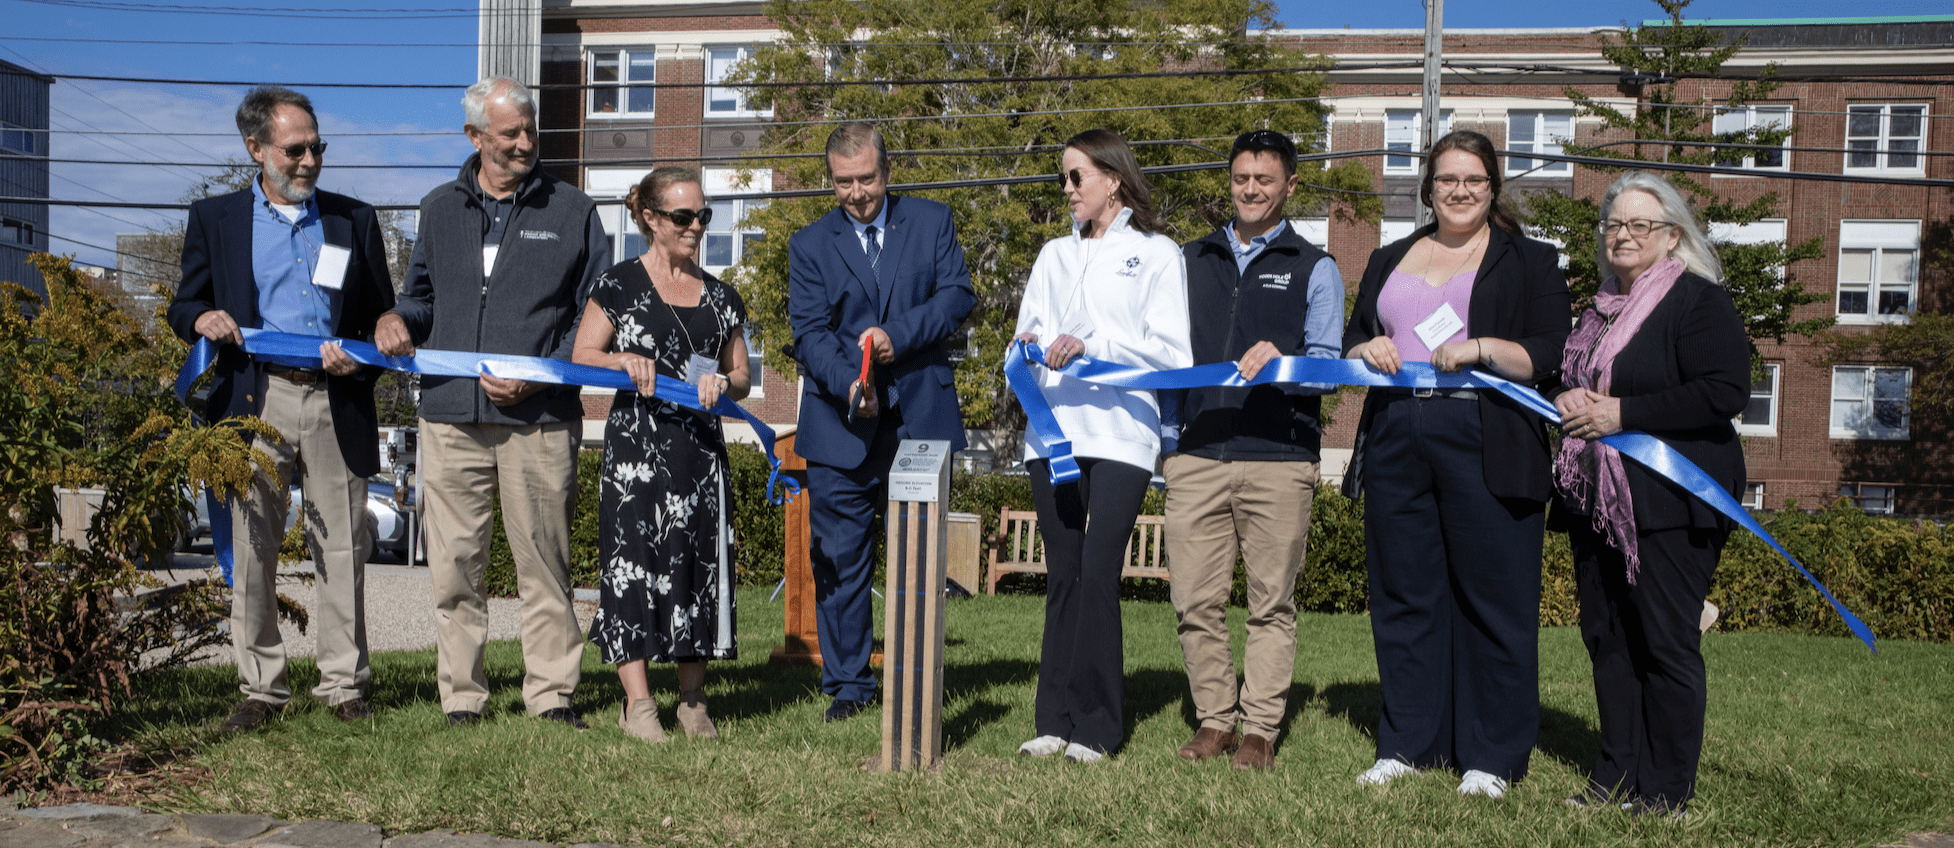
(1455,481)
(664,506)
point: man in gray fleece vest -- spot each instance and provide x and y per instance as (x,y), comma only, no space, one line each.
(505,259)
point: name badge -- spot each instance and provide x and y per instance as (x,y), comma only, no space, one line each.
(698,367)
(488,258)
(1439,326)
(331,272)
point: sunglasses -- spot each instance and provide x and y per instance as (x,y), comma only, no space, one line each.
(684,217)
(1264,140)
(1076,177)
(296,151)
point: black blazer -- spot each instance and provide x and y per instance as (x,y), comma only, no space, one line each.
(1521,296)
(1681,379)
(217,274)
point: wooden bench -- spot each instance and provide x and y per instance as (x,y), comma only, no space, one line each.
(1018,549)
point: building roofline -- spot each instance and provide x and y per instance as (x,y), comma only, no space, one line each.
(1891,19)
(1420,31)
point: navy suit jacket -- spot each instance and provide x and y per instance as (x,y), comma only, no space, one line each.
(218,274)
(833,295)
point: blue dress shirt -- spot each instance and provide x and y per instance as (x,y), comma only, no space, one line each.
(284,255)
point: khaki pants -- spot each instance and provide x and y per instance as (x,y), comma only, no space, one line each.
(1262,509)
(534,467)
(335,531)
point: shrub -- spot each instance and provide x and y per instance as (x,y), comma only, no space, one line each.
(500,576)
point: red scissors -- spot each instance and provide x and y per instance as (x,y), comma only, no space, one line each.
(862,388)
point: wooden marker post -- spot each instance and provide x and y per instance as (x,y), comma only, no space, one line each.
(912,612)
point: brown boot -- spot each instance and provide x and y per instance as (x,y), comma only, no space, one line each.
(692,715)
(1256,754)
(640,719)
(1209,742)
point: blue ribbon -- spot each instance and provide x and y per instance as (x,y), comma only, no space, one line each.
(1645,449)
(303,352)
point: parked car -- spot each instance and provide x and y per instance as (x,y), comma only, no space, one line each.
(386,519)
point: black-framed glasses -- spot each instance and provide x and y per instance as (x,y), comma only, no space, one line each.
(683,217)
(1263,140)
(1076,178)
(1638,228)
(297,151)
(1474,183)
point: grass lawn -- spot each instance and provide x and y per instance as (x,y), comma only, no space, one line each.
(1811,741)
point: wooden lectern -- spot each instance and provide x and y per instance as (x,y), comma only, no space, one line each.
(803,643)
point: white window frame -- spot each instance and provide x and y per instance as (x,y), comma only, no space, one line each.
(755,363)
(1734,119)
(1392,229)
(1402,137)
(1753,496)
(715,73)
(1886,240)
(1543,141)
(1853,417)
(1316,231)
(726,214)
(15,138)
(1770,396)
(1872,498)
(623,87)
(1880,146)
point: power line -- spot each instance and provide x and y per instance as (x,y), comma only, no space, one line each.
(325,14)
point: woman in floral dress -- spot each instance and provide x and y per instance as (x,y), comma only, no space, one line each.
(665,505)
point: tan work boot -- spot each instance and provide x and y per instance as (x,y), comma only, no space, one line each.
(1209,742)
(640,719)
(692,715)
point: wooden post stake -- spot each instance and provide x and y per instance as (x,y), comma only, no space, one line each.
(912,614)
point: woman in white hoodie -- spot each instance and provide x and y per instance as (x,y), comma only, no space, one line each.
(1115,290)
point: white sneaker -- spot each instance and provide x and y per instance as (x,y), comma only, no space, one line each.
(1477,782)
(1078,753)
(1043,746)
(1385,771)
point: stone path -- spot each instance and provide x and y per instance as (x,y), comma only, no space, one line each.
(98,826)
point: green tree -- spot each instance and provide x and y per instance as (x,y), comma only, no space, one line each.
(1757,276)
(986,130)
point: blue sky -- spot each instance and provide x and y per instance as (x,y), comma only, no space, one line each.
(436,45)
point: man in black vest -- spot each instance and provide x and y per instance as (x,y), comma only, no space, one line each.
(1246,468)
(505,259)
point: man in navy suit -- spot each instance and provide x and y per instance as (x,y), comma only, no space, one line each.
(884,274)
(283,256)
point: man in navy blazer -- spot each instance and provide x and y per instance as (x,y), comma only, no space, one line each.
(885,274)
(283,256)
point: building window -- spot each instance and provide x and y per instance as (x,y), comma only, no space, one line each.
(626,241)
(1753,496)
(1401,128)
(756,354)
(722,101)
(1874,498)
(726,241)
(15,138)
(17,232)
(1744,119)
(1760,416)
(1870,402)
(1392,229)
(1885,137)
(1878,266)
(1538,132)
(1316,231)
(614,75)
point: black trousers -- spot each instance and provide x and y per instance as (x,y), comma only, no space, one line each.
(1454,593)
(1650,685)
(1081,666)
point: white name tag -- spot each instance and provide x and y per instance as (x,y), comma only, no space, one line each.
(1439,326)
(331,273)
(488,258)
(698,367)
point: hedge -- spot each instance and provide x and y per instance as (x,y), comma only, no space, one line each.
(1896,574)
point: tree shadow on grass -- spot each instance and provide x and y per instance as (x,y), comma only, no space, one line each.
(1564,736)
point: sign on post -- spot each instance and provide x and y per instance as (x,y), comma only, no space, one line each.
(912,688)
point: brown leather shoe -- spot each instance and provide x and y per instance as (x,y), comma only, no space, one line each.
(353,710)
(1209,742)
(1256,754)
(249,715)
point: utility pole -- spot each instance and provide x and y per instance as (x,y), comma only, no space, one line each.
(1428,113)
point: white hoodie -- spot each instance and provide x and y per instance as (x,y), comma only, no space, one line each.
(1124,296)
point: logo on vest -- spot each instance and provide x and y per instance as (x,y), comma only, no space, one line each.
(1275,281)
(539,235)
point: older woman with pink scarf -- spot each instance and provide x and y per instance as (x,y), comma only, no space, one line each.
(1661,351)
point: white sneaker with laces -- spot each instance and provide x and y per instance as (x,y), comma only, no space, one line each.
(1385,771)
(1043,746)
(1477,782)
(1078,753)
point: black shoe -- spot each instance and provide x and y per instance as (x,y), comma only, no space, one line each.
(566,715)
(249,715)
(463,718)
(843,709)
(1596,798)
(353,710)
(1656,809)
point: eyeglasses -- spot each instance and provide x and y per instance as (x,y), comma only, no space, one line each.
(1637,228)
(1474,184)
(1077,176)
(683,217)
(297,151)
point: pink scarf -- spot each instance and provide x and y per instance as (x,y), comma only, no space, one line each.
(1590,473)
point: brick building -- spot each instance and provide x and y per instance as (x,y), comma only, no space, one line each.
(1812,432)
